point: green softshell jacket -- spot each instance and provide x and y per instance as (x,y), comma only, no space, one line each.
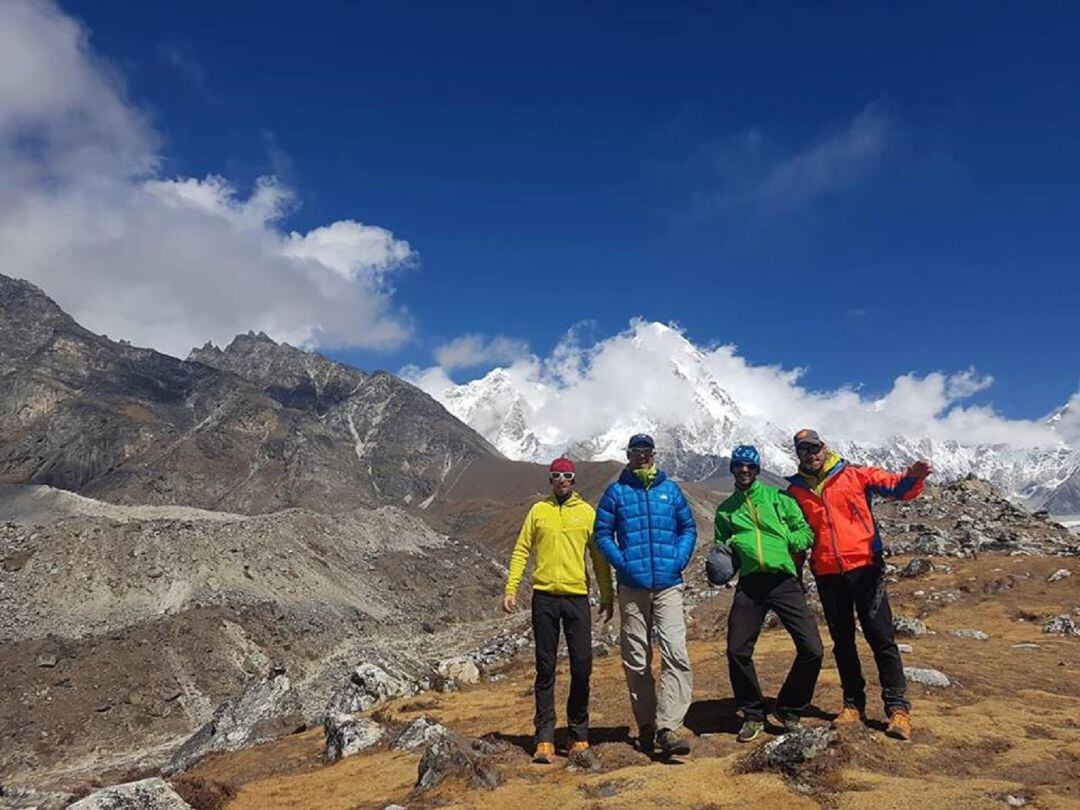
(764,527)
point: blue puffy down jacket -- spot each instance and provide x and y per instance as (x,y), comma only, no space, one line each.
(647,535)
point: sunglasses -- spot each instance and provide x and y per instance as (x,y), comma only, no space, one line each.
(808,449)
(743,467)
(555,476)
(641,451)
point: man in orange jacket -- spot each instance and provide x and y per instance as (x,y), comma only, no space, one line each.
(849,569)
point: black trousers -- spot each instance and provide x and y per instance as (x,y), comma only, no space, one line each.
(862,591)
(755,595)
(572,612)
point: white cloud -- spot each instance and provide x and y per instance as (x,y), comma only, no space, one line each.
(469,351)
(164,262)
(769,187)
(652,373)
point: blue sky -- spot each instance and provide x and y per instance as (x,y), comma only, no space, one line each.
(862,191)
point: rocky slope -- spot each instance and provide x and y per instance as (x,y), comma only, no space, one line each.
(255,428)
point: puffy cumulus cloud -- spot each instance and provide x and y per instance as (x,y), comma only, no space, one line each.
(469,351)
(86,214)
(654,374)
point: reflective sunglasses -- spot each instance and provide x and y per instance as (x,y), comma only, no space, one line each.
(555,476)
(808,449)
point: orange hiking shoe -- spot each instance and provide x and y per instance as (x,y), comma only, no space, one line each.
(579,745)
(545,753)
(899,725)
(849,716)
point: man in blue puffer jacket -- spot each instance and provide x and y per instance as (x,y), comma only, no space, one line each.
(645,530)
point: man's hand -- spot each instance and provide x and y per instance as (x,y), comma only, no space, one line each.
(607,610)
(509,604)
(920,469)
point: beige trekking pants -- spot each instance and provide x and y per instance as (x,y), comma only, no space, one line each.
(648,616)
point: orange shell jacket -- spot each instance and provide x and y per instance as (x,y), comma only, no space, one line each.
(845,533)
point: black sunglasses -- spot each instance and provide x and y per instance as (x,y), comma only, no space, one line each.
(808,449)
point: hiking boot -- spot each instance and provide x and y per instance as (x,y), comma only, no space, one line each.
(545,753)
(790,722)
(646,740)
(849,716)
(671,744)
(899,725)
(750,730)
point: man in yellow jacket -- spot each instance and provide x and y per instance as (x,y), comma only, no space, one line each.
(560,528)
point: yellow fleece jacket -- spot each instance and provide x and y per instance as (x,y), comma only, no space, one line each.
(561,534)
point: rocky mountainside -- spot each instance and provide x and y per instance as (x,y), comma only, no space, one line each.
(698,421)
(255,428)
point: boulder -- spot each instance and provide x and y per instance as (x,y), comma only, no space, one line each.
(460,669)
(418,733)
(369,685)
(927,677)
(146,794)
(348,734)
(262,712)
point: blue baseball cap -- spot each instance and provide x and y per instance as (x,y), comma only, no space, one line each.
(641,440)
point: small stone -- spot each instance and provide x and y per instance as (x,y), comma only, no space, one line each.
(905,648)
(905,626)
(918,567)
(1060,574)
(927,677)
(976,634)
(1027,646)
(790,751)
(47,660)
(1015,801)
(1062,625)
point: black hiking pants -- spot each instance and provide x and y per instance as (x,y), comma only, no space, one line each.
(754,597)
(549,611)
(862,591)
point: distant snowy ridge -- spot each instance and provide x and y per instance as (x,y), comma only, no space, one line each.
(698,403)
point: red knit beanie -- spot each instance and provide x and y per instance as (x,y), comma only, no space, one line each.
(562,464)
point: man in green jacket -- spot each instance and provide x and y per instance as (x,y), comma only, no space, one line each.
(763,527)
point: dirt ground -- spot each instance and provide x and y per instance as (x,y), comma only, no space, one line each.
(1008,727)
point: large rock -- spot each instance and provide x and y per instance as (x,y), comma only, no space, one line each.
(918,567)
(348,734)
(260,713)
(368,686)
(453,756)
(790,752)
(146,794)
(418,733)
(460,669)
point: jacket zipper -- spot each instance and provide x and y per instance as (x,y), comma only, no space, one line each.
(858,514)
(648,519)
(757,531)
